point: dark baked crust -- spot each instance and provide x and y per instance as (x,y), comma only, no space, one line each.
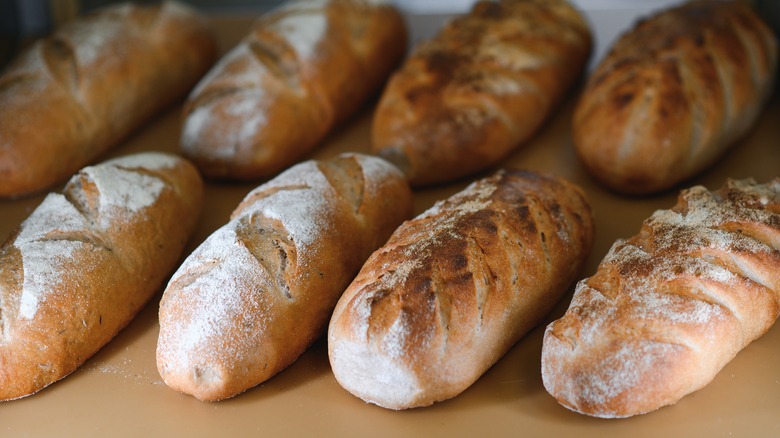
(483,85)
(301,70)
(456,287)
(673,94)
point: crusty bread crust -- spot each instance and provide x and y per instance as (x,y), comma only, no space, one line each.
(72,96)
(85,262)
(303,68)
(247,302)
(673,94)
(669,307)
(482,86)
(456,287)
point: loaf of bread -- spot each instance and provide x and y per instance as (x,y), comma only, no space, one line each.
(73,95)
(260,290)
(673,94)
(482,86)
(670,306)
(456,287)
(302,69)
(85,261)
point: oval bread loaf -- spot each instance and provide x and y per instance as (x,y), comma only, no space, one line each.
(673,94)
(73,95)
(260,290)
(302,69)
(466,98)
(668,308)
(85,262)
(456,287)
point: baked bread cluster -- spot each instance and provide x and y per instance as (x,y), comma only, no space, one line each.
(414,310)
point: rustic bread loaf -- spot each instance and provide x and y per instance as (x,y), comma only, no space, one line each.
(302,69)
(456,287)
(466,98)
(85,262)
(260,290)
(669,307)
(674,94)
(72,96)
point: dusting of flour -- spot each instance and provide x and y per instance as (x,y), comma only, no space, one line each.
(50,235)
(303,25)
(221,279)
(649,265)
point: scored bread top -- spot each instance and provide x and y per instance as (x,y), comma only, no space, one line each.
(86,260)
(673,94)
(454,288)
(309,63)
(484,84)
(669,307)
(258,291)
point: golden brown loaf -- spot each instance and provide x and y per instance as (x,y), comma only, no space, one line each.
(72,96)
(260,290)
(455,288)
(302,69)
(478,89)
(674,94)
(85,261)
(669,307)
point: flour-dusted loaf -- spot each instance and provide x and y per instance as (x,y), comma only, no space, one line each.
(247,302)
(303,68)
(670,306)
(73,95)
(674,94)
(456,287)
(86,260)
(482,86)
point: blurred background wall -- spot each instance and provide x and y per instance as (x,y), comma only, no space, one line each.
(23,20)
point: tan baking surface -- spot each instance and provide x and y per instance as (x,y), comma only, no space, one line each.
(119,393)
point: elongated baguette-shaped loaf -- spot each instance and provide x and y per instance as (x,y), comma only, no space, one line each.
(303,68)
(674,94)
(72,96)
(455,288)
(85,262)
(260,290)
(465,99)
(669,307)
